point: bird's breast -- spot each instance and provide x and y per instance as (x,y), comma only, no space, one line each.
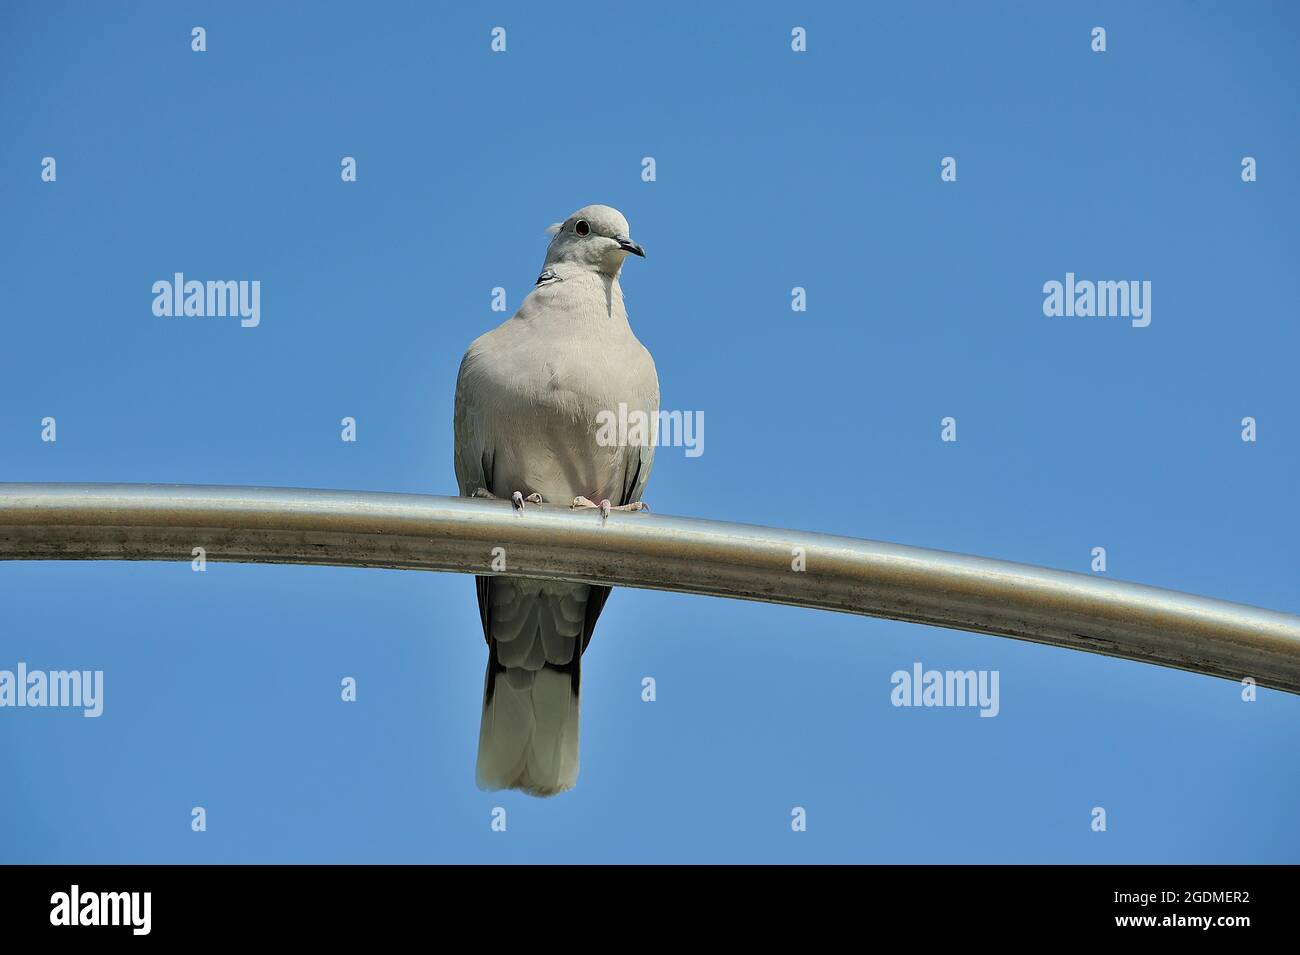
(546,413)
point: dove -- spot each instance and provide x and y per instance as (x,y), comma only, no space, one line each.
(528,397)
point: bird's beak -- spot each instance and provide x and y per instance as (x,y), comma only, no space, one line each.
(627,245)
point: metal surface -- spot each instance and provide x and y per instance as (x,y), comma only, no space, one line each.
(419,532)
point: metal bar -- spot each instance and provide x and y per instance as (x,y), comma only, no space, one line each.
(422,532)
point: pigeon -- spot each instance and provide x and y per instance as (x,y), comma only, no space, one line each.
(528,397)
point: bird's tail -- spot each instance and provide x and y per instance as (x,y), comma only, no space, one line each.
(528,738)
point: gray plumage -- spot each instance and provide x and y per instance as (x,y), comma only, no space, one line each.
(527,399)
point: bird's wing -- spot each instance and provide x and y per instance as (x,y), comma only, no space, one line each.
(640,459)
(473,456)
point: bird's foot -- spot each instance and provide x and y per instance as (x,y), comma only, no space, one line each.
(606,507)
(517,498)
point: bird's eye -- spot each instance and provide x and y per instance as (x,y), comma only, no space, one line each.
(582,227)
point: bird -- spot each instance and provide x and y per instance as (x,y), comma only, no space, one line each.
(528,395)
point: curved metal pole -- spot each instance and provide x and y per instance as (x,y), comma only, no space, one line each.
(422,532)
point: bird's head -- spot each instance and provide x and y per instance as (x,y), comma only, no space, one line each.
(594,237)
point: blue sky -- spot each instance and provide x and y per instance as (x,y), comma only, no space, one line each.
(774,169)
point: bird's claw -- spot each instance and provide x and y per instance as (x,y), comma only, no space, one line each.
(518,500)
(603,504)
(605,507)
